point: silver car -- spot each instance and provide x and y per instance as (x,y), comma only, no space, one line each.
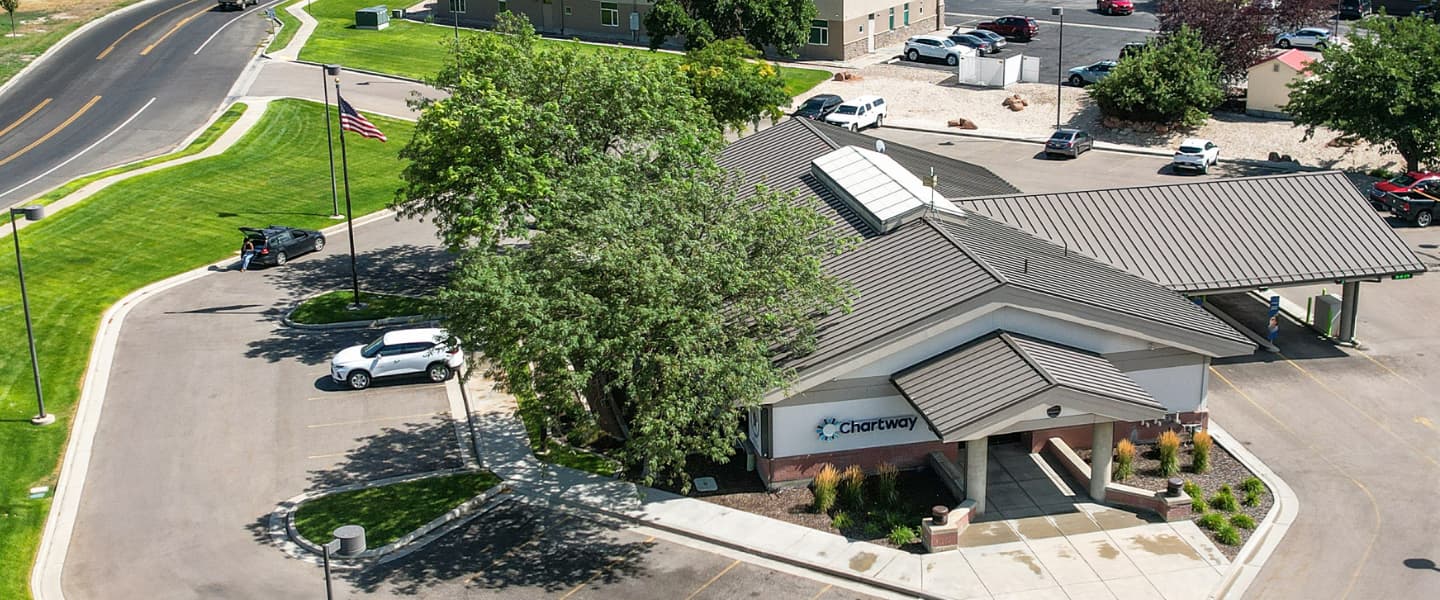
(996,39)
(1309,37)
(1091,73)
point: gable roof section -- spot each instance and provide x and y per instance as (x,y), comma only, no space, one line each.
(1220,235)
(1292,58)
(976,386)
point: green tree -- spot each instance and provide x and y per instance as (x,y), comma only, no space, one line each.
(1384,88)
(10,7)
(736,86)
(1175,80)
(781,24)
(522,116)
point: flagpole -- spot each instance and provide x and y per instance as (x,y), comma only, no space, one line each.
(334,71)
(349,217)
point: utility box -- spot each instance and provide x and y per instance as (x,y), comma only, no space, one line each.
(375,17)
(1326,313)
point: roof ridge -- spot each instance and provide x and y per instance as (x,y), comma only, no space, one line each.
(819,134)
(930,220)
(1184,184)
(1040,369)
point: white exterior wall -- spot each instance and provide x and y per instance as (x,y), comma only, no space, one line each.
(795,434)
(1179,389)
(1268,92)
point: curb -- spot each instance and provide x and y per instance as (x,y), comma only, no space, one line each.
(354,70)
(282,532)
(385,322)
(1271,530)
(50,52)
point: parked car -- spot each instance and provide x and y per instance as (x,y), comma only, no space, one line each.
(859,113)
(1132,48)
(818,107)
(1069,142)
(404,352)
(1017,28)
(1115,7)
(998,40)
(1091,73)
(1418,204)
(1355,9)
(276,245)
(934,46)
(974,42)
(1379,193)
(1195,154)
(1309,37)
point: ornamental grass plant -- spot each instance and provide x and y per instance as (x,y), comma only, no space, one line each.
(852,487)
(1169,446)
(887,482)
(1124,460)
(825,484)
(1200,453)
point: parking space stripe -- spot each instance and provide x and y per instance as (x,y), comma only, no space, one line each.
(320,456)
(601,571)
(25,116)
(822,591)
(376,420)
(712,580)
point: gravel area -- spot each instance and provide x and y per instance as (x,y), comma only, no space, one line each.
(1224,469)
(930,98)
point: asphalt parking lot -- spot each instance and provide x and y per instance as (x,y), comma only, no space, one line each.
(523,549)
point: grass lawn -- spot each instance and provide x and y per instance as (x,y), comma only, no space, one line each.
(389,512)
(287,32)
(81,260)
(417,50)
(39,24)
(330,308)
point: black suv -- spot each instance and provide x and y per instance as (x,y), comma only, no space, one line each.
(274,245)
(818,107)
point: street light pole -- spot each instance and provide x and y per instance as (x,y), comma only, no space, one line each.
(348,540)
(1059,62)
(333,70)
(349,215)
(31,213)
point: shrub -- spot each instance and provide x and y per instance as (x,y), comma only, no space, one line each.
(1251,499)
(1227,535)
(1124,460)
(1242,521)
(852,487)
(901,535)
(872,530)
(825,482)
(842,520)
(1197,498)
(1224,500)
(1253,485)
(1211,521)
(1169,447)
(887,484)
(1200,456)
(1381,173)
(1174,80)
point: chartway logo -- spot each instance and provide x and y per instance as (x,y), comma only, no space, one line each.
(831,427)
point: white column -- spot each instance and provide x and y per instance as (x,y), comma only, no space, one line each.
(1102,437)
(1349,304)
(976,456)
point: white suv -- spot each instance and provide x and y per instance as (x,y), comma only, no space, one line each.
(407,351)
(935,46)
(859,113)
(1196,154)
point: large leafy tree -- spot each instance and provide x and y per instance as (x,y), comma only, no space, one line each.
(780,24)
(1383,88)
(736,85)
(1237,31)
(1175,80)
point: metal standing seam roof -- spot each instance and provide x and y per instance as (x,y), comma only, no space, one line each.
(1003,371)
(877,185)
(1219,235)
(957,179)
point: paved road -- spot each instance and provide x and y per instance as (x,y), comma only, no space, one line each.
(132,87)
(1089,36)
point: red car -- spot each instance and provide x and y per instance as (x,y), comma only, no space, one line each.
(1021,29)
(1115,7)
(1398,185)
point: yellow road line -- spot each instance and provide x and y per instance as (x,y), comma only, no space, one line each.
(25,116)
(1374,506)
(363,421)
(712,580)
(54,131)
(822,591)
(122,37)
(174,29)
(601,571)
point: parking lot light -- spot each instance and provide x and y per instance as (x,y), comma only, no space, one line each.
(1059,61)
(34,212)
(348,540)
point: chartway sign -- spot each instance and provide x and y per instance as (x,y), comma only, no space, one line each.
(832,428)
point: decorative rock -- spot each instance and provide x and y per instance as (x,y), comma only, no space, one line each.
(1162,128)
(962,124)
(846,76)
(1111,122)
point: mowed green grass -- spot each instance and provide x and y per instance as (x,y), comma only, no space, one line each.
(38,30)
(290,25)
(417,50)
(81,260)
(333,307)
(389,512)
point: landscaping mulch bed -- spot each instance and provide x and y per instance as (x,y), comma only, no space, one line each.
(742,490)
(1224,469)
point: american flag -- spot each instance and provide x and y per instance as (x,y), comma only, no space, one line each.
(350,120)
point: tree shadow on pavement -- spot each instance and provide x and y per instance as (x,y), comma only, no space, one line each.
(415,447)
(404,268)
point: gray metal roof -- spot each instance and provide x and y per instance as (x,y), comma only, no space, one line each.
(1219,235)
(878,188)
(958,179)
(960,389)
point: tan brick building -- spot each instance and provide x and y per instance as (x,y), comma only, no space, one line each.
(842,29)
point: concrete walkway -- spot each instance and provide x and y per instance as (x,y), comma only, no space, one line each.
(1093,552)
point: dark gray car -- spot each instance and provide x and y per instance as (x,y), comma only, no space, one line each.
(1069,142)
(276,245)
(981,45)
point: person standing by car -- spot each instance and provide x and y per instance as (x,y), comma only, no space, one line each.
(247,253)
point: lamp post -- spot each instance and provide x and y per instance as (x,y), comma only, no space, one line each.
(1059,61)
(31,213)
(332,71)
(349,540)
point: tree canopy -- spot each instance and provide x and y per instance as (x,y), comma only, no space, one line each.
(781,24)
(1177,79)
(738,87)
(1384,88)
(1240,32)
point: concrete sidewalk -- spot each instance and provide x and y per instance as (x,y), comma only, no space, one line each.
(1094,552)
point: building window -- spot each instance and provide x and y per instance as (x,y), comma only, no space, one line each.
(610,14)
(907,14)
(457,7)
(500,8)
(892,18)
(819,33)
(567,11)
